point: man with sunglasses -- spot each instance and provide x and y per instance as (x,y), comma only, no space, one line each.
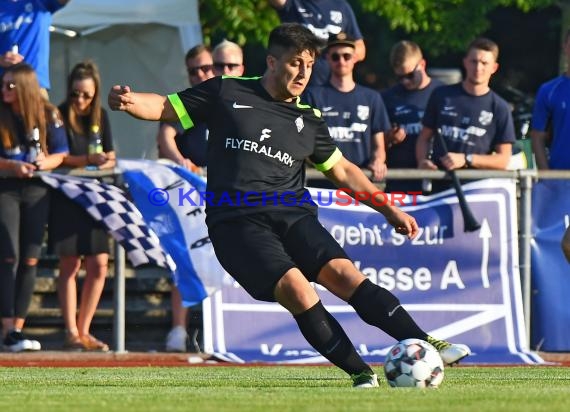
(187,149)
(228,59)
(406,102)
(355,115)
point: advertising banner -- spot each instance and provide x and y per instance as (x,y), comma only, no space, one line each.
(462,287)
(550,331)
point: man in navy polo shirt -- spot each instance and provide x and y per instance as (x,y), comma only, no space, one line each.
(475,122)
(325,18)
(406,103)
(355,115)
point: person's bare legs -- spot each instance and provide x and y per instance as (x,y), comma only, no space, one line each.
(177,338)
(96,267)
(179,312)
(67,293)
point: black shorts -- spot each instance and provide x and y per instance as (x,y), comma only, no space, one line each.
(72,231)
(258,249)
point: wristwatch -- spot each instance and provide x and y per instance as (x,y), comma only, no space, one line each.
(469,161)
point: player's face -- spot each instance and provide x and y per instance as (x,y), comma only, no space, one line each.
(291,73)
(479,67)
(228,62)
(81,95)
(9,94)
(410,73)
(341,60)
(200,68)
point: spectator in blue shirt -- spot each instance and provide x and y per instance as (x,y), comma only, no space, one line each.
(551,119)
(32,137)
(24,34)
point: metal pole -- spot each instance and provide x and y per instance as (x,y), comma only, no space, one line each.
(119,300)
(525,235)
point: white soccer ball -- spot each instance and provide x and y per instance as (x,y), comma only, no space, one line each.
(413,363)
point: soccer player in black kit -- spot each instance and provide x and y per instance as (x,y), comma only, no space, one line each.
(263,228)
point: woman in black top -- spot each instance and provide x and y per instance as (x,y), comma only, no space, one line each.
(31,139)
(73,232)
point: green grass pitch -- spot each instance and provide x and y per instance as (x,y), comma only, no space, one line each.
(276,388)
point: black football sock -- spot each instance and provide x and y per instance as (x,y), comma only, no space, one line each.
(326,335)
(379,307)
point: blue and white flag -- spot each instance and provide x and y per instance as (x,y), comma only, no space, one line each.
(170,199)
(108,204)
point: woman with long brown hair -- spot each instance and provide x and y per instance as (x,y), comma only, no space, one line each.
(73,233)
(31,138)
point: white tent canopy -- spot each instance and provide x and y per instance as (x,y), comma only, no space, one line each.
(140,43)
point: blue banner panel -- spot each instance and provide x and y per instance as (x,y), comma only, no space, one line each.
(550,270)
(463,287)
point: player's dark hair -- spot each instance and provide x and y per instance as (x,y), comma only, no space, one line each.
(402,51)
(196,50)
(484,44)
(293,36)
(86,69)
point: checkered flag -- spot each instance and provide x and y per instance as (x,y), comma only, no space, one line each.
(108,204)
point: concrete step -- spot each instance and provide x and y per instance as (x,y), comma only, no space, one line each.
(148,313)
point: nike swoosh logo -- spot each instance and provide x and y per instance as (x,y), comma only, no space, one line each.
(394,311)
(327,109)
(241,106)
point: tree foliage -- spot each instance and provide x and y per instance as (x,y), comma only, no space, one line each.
(240,21)
(442,25)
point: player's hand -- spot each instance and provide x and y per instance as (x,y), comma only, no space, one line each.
(97,159)
(23,169)
(378,169)
(396,135)
(10,58)
(403,223)
(452,161)
(120,98)
(427,164)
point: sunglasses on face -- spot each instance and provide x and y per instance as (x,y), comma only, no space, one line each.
(76,94)
(9,85)
(194,71)
(335,57)
(409,76)
(221,66)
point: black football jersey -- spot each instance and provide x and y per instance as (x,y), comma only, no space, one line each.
(257,146)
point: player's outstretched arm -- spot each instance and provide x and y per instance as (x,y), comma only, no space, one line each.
(145,106)
(347,175)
